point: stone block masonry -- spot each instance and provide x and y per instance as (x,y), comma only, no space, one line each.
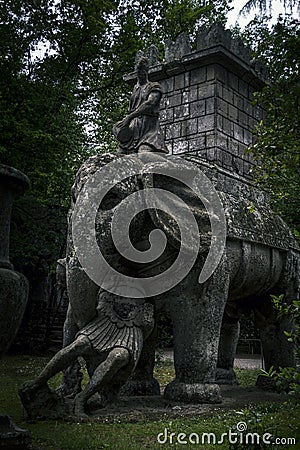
(207,109)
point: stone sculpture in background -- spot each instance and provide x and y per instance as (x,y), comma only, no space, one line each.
(13,285)
(139,131)
(13,293)
(112,342)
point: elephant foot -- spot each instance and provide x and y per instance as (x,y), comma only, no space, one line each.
(141,387)
(226,376)
(193,393)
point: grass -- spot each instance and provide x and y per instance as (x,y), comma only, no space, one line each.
(279,419)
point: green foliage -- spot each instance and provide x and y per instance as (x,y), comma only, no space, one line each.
(263,6)
(287,379)
(186,15)
(245,377)
(291,310)
(46,55)
(254,416)
(278,136)
(254,421)
(38,234)
(61,88)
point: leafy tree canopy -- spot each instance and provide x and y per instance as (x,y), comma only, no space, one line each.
(278,137)
(266,6)
(61,87)
(61,90)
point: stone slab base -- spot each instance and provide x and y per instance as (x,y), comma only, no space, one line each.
(13,299)
(193,393)
(40,402)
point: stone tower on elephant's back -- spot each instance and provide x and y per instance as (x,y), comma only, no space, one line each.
(207,108)
(207,114)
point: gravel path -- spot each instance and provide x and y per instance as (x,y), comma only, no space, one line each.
(242,361)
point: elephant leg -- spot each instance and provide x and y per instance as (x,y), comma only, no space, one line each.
(142,381)
(63,358)
(229,337)
(277,350)
(197,316)
(70,328)
(72,375)
(109,369)
(83,293)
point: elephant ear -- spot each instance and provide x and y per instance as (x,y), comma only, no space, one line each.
(88,168)
(106,208)
(169,215)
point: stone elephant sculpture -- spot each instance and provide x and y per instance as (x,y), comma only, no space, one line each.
(205,316)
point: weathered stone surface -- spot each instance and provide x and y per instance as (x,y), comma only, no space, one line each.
(13,294)
(141,387)
(13,286)
(226,376)
(43,403)
(176,50)
(250,269)
(13,183)
(219,80)
(139,130)
(193,393)
(13,298)
(152,54)
(141,383)
(111,343)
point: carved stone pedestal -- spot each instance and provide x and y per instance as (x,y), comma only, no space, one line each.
(13,295)
(43,403)
(13,285)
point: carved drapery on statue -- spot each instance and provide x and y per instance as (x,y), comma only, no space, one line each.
(140,128)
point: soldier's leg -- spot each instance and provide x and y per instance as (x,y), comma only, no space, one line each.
(71,382)
(64,358)
(116,359)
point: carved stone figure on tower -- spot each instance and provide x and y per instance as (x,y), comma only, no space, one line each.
(139,131)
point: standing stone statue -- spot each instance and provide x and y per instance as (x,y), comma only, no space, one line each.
(139,131)
(113,341)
